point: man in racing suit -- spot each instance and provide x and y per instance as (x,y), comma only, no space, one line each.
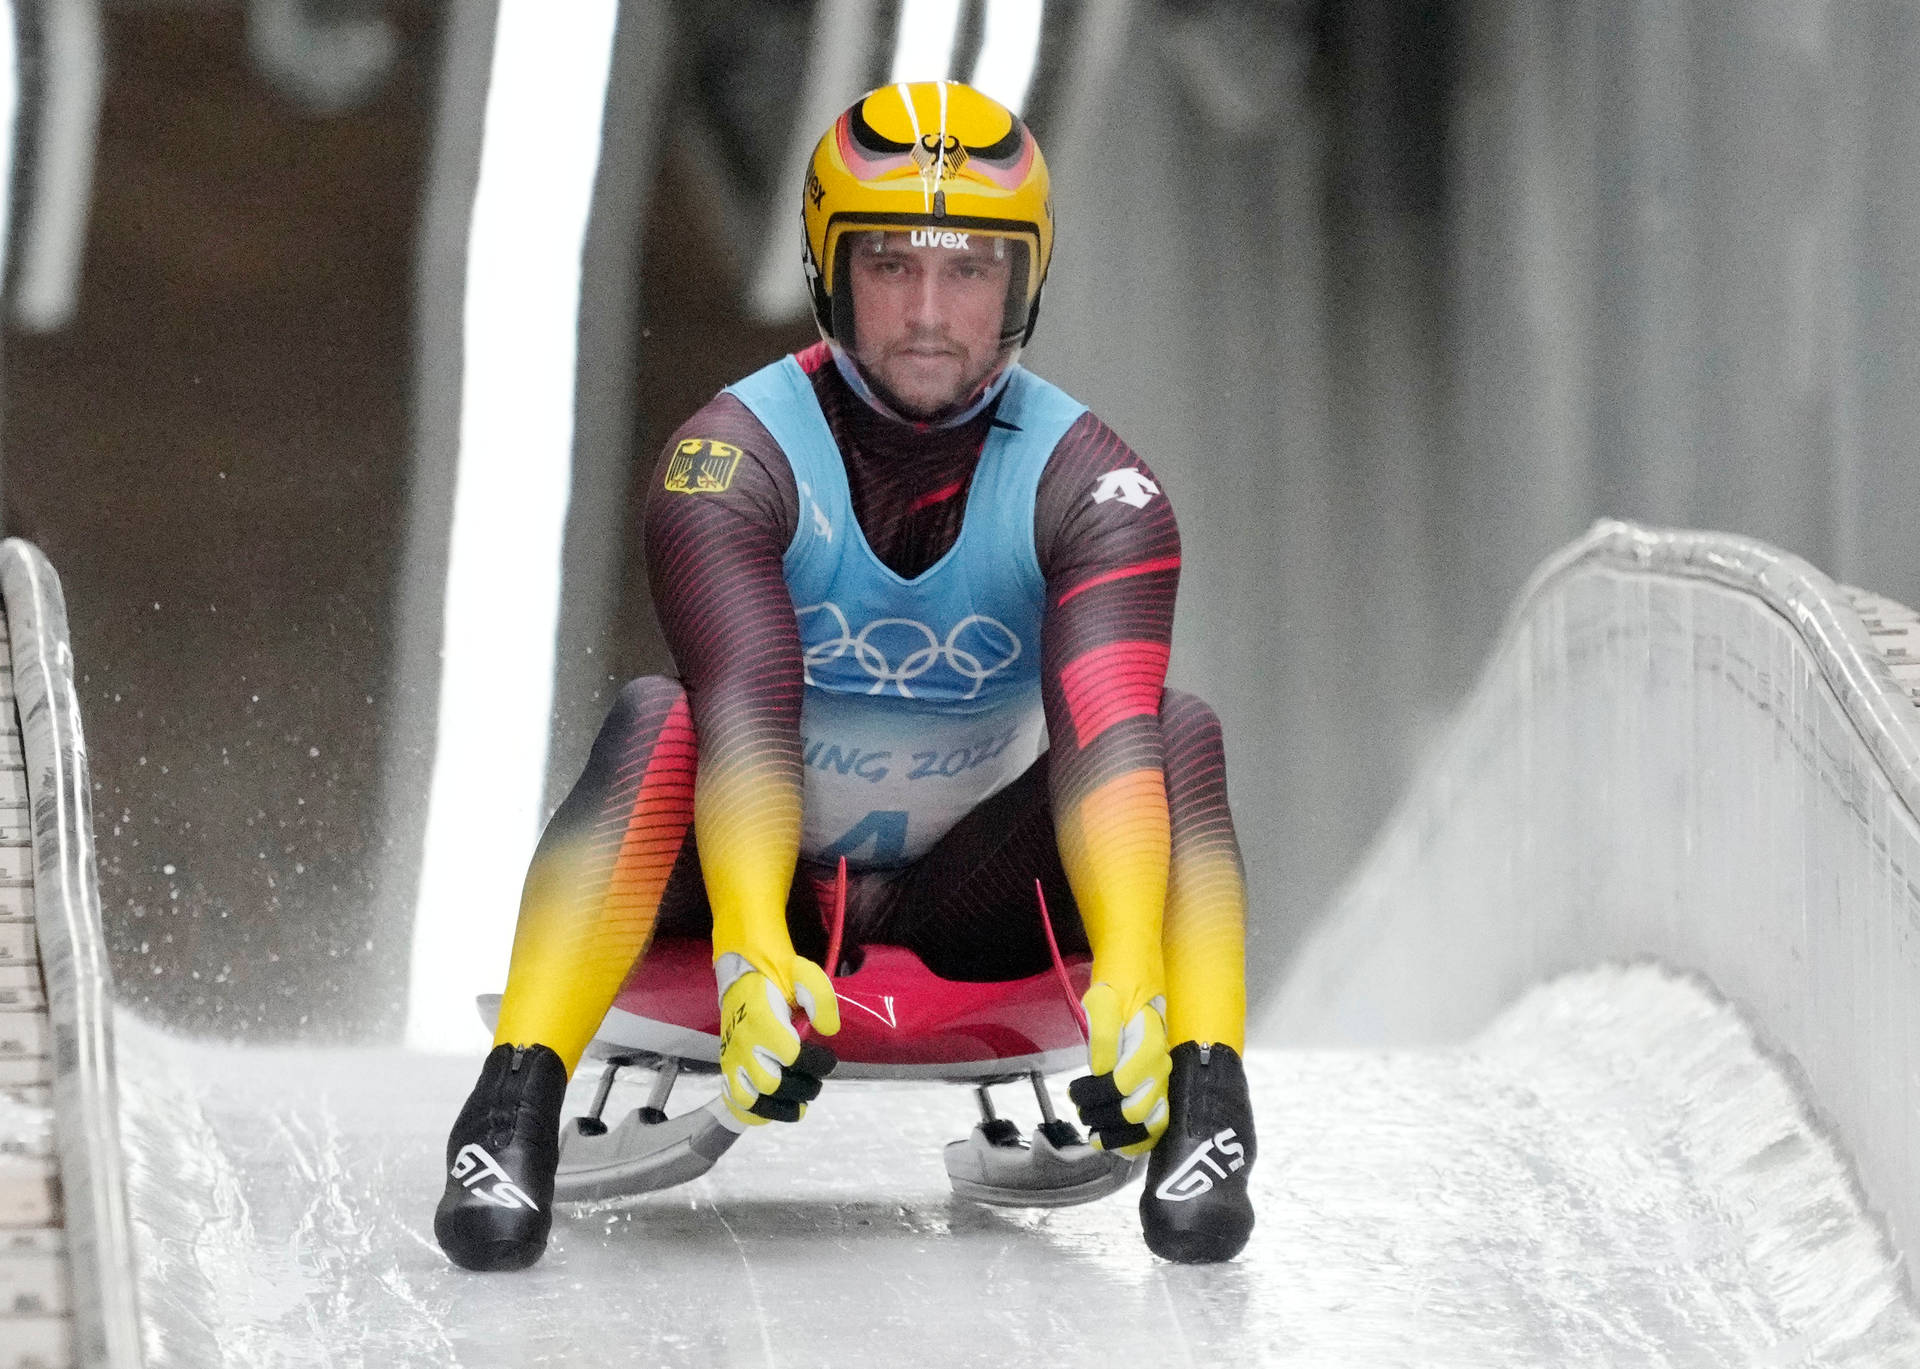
(920,602)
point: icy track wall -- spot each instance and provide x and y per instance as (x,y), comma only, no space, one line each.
(67,1292)
(1690,748)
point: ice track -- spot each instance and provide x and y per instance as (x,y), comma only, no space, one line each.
(1610,1175)
(1688,750)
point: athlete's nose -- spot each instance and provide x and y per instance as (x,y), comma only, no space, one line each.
(928,303)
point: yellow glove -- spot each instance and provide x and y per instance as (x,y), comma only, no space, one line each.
(1123,1102)
(768,1074)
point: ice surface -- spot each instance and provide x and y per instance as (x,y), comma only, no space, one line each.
(1610,1175)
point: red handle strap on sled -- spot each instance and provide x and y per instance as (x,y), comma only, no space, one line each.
(838,925)
(1059,963)
(836,928)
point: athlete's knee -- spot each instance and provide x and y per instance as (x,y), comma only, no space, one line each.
(639,714)
(1188,720)
(643,705)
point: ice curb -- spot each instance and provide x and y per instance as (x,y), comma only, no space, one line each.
(74,961)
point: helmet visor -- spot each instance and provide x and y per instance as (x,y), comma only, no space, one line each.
(969,284)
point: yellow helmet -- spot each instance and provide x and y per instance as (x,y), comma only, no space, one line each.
(927,154)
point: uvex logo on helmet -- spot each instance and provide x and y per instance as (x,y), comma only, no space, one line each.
(928,237)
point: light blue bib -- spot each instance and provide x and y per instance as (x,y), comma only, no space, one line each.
(923,695)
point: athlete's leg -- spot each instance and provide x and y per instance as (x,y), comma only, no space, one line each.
(595,886)
(1203,936)
(1194,1206)
(590,904)
(968,909)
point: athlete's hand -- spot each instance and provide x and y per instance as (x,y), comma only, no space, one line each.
(768,1074)
(1124,1101)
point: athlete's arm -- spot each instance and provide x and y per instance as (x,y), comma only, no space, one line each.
(719,516)
(1110,551)
(720,513)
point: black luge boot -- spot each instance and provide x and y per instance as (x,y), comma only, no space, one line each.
(505,1146)
(1195,1209)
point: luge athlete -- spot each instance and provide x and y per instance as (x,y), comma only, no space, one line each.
(920,602)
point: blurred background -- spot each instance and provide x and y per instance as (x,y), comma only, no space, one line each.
(340,333)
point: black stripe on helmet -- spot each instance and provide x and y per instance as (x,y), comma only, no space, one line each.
(869,139)
(1006,149)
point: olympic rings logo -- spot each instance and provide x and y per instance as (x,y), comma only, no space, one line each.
(897,652)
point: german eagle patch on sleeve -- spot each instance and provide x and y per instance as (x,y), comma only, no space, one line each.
(701,466)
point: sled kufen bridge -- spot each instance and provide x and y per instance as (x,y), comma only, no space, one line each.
(67,1290)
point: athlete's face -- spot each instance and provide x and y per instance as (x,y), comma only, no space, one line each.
(928,319)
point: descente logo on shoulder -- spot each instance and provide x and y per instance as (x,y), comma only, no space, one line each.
(928,237)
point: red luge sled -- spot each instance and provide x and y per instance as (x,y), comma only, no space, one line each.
(898,1021)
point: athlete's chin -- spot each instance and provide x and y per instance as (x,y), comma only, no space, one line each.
(926,387)
(924,401)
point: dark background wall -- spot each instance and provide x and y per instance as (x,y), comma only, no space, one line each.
(213,456)
(1395,297)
